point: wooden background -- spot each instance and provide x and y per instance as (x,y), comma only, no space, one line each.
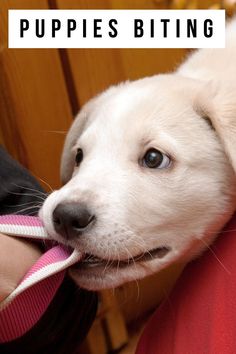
(41,90)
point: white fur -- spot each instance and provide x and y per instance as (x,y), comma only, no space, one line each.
(138,209)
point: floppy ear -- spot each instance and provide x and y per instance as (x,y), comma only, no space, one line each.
(217,103)
(68,156)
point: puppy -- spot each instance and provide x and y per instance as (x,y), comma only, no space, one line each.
(149,171)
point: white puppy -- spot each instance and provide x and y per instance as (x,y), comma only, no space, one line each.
(148,168)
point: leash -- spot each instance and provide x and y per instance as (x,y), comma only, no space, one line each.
(28,302)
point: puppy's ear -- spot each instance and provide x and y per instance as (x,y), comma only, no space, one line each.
(217,104)
(68,155)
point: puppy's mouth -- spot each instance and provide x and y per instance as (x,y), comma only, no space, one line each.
(90,261)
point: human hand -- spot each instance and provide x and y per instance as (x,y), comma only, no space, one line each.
(17,256)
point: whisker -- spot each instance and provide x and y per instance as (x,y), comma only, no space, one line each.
(47,184)
(113,291)
(118,262)
(223,231)
(18,205)
(138,289)
(55,131)
(107,263)
(30,208)
(32,213)
(26,194)
(130,256)
(216,257)
(30,189)
(136,281)
(110,262)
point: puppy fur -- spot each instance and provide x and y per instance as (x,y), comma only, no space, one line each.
(189,115)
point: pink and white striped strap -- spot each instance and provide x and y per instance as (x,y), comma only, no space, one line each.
(28,302)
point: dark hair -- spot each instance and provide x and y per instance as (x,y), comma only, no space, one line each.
(69,316)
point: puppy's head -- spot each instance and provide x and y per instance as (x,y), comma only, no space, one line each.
(148,181)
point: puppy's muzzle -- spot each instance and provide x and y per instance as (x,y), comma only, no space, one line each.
(71,219)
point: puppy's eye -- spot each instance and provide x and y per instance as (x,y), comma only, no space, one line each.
(156,159)
(79,157)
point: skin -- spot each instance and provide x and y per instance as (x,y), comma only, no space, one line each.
(17,256)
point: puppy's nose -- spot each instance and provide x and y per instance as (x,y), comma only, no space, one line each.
(70,219)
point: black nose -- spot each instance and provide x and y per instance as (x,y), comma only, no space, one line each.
(70,219)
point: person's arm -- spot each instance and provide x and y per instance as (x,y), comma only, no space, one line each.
(16,257)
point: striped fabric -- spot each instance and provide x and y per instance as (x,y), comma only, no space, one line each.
(28,302)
